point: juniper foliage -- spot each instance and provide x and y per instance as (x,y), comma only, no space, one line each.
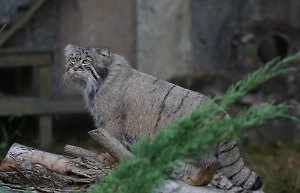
(153,160)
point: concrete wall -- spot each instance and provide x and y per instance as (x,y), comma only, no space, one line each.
(216,23)
(164,37)
(100,23)
(213,25)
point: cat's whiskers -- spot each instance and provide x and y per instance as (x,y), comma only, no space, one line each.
(64,82)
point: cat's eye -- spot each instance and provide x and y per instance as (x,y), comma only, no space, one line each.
(86,61)
(72,60)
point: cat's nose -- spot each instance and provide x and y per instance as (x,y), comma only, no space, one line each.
(75,68)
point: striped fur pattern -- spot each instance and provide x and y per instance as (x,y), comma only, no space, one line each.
(130,104)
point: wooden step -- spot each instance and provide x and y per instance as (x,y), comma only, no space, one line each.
(39,106)
(17,58)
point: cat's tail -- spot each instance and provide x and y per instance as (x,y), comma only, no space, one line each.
(232,166)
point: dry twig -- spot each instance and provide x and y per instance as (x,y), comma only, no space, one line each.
(6,23)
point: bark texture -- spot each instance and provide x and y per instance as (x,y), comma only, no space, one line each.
(41,171)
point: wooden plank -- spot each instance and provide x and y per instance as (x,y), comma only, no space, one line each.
(45,132)
(44,81)
(38,106)
(45,121)
(20,21)
(25,59)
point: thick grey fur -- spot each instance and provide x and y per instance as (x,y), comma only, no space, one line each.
(129,104)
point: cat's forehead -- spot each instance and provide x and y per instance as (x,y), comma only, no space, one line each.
(81,52)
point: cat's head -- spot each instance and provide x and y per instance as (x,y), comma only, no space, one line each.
(87,67)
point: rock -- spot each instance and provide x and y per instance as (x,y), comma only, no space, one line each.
(219,184)
(180,187)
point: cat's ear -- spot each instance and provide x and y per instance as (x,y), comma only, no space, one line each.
(69,49)
(104,54)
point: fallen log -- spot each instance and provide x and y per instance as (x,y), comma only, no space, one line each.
(25,167)
(47,172)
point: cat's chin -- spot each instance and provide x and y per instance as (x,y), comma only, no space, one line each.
(78,81)
(76,77)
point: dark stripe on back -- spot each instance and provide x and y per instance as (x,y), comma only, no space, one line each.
(162,106)
(181,102)
(155,88)
(155,80)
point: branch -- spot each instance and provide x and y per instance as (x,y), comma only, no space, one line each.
(112,146)
(6,23)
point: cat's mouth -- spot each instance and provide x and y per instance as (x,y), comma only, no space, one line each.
(75,74)
(81,78)
(72,79)
(77,77)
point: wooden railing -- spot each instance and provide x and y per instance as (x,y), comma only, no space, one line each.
(43,106)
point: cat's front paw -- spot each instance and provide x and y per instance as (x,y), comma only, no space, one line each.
(203,177)
(107,159)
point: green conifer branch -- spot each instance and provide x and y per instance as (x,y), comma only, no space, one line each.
(154,160)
